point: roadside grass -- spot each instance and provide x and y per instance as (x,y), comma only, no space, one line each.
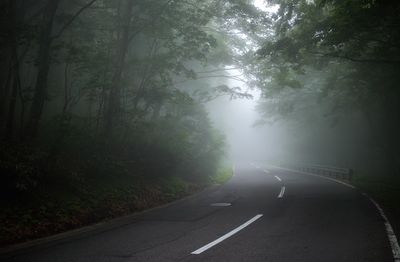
(224,173)
(60,209)
(385,190)
(48,190)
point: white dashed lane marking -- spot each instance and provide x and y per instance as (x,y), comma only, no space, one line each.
(282,192)
(227,235)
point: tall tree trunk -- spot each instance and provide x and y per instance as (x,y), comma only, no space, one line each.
(40,90)
(7,25)
(14,70)
(114,100)
(11,109)
(4,96)
(67,91)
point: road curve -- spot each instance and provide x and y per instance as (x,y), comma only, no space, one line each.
(259,215)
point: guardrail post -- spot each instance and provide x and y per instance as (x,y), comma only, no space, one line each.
(351,172)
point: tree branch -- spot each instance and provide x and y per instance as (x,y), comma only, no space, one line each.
(213,76)
(72,19)
(358,60)
(218,70)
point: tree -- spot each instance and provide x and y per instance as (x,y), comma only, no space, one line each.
(43,57)
(356,42)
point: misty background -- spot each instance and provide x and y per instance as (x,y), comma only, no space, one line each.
(111,107)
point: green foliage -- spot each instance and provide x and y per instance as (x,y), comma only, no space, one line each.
(75,179)
(332,60)
(22,167)
(385,189)
(224,174)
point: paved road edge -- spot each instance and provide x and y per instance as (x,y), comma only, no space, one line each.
(87,231)
(392,238)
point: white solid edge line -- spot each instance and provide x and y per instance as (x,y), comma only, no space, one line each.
(282,192)
(277,177)
(389,230)
(227,235)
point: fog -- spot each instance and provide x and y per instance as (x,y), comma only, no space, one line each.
(109,107)
(318,139)
(236,119)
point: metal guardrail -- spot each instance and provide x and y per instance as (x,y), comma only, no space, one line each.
(329,171)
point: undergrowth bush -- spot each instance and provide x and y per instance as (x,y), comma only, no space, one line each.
(72,177)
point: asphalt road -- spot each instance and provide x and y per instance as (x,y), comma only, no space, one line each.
(274,216)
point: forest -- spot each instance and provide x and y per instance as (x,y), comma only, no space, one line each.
(104,104)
